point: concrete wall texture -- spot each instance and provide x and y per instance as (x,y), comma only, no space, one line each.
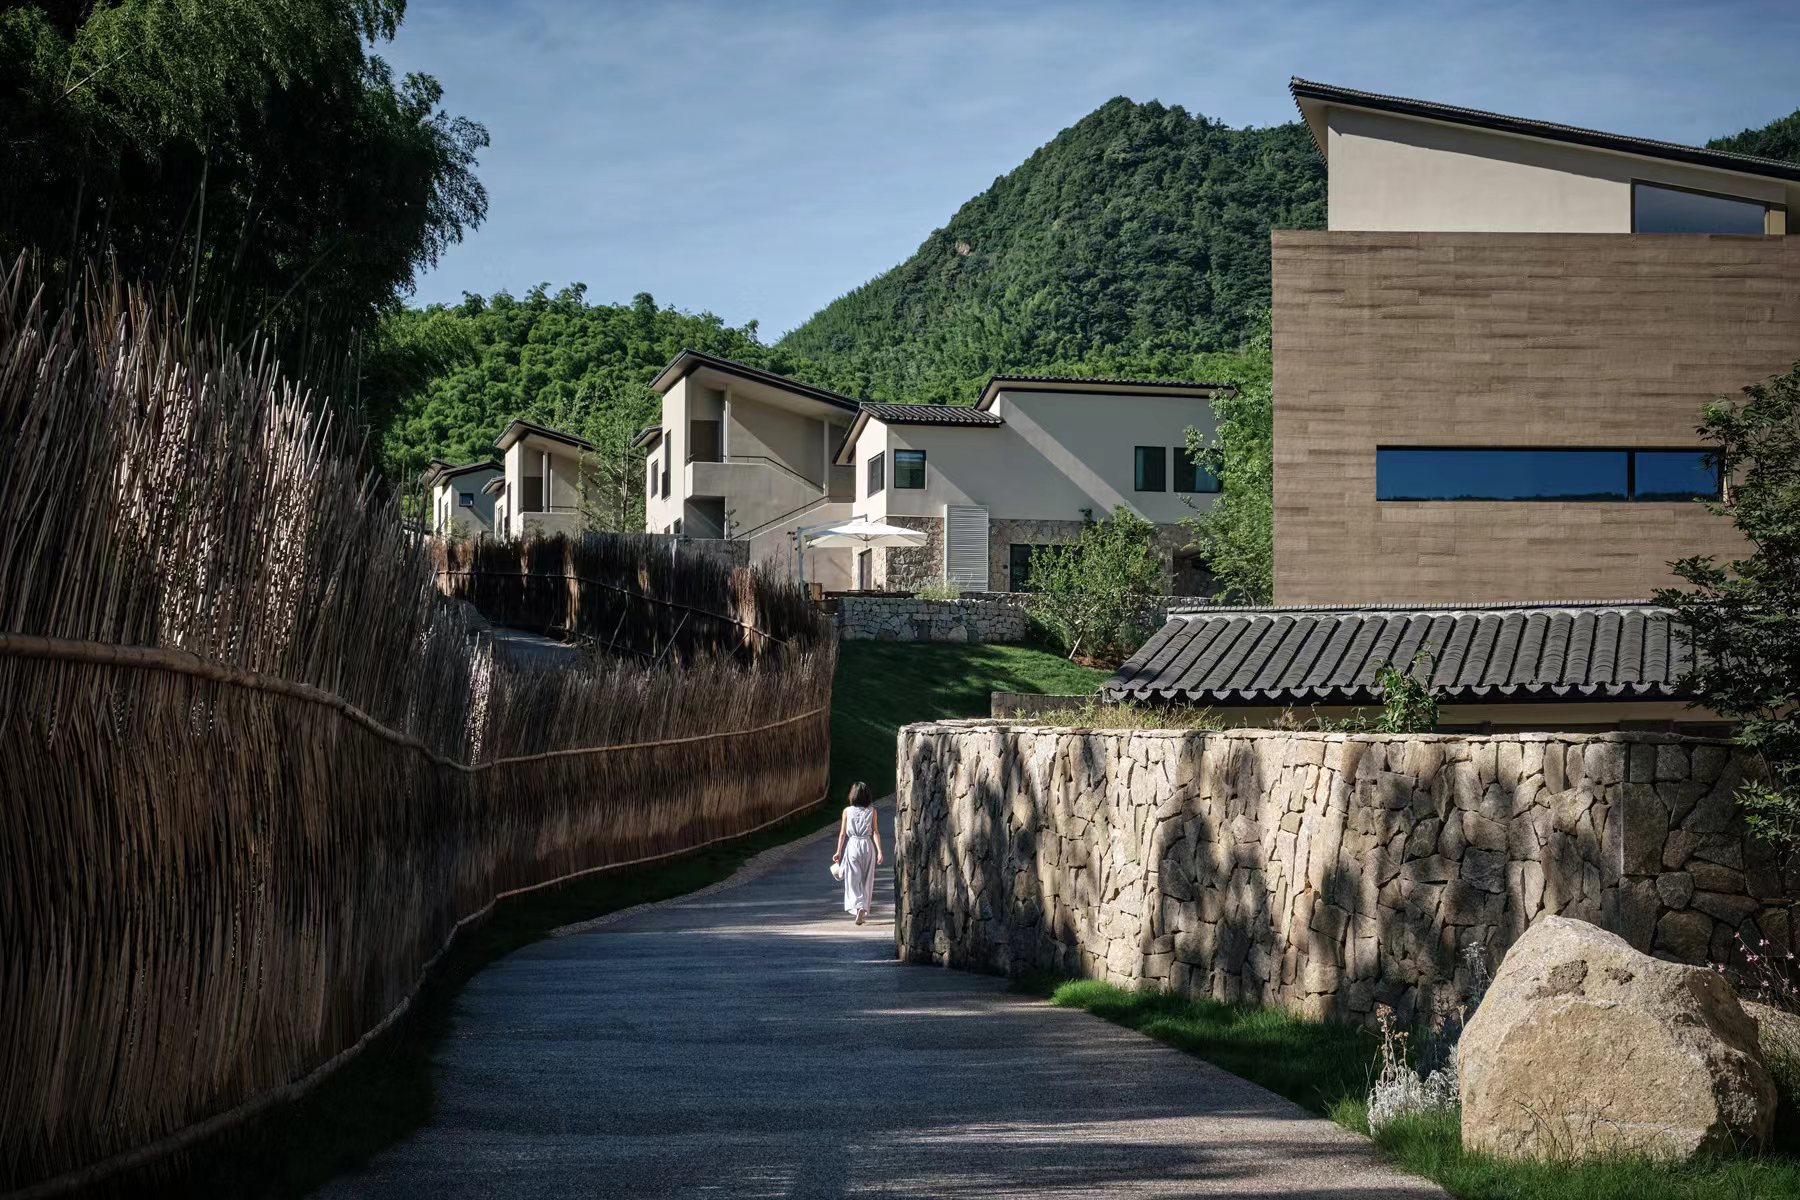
(1396,172)
(1326,872)
(1505,340)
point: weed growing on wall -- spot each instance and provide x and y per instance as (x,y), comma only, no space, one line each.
(1408,703)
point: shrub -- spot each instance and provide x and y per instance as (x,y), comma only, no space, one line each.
(937,588)
(1097,594)
(1744,616)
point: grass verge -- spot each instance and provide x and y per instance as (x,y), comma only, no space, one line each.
(881,686)
(1328,1069)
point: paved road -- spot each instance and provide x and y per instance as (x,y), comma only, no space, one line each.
(753,1042)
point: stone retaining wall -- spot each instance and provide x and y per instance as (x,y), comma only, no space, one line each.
(1326,872)
(903,619)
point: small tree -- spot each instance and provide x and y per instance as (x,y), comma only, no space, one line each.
(1236,534)
(1095,594)
(1744,615)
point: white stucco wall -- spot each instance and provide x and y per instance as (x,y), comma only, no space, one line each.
(1057,454)
(1396,173)
(450,518)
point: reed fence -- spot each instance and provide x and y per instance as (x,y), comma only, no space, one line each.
(255,772)
(627,594)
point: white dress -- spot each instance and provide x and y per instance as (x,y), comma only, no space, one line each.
(859,859)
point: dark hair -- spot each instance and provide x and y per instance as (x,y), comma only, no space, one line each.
(859,794)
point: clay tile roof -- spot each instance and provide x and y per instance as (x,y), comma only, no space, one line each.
(1482,653)
(931,414)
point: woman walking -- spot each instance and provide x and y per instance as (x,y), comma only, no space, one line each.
(860,833)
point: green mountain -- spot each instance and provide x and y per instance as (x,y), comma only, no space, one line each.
(1779,139)
(1136,239)
(549,357)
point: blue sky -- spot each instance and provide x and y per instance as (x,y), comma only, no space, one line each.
(758,158)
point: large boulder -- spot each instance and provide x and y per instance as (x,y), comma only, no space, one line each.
(1584,1047)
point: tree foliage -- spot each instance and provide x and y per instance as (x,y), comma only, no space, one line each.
(1744,615)
(1135,240)
(1095,595)
(553,358)
(250,156)
(1236,535)
(1779,139)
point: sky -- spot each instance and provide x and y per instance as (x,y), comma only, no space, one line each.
(758,158)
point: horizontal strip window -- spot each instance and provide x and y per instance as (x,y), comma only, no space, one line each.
(1619,476)
(1656,208)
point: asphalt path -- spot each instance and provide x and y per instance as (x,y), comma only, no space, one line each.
(751,1041)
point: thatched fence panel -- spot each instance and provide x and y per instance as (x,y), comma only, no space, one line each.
(255,771)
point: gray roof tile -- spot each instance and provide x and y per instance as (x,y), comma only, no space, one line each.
(931,414)
(1492,653)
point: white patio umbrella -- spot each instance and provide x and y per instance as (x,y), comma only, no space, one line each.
(855,534)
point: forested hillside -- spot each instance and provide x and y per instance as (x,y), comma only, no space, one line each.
(1135,239)
(552,358)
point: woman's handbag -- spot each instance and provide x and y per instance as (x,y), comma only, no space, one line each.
(837,871)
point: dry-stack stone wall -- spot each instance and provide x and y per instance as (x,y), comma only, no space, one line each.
(903,619)
(1327,872)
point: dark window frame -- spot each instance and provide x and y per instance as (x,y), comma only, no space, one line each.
(1140,478)
(1195,471)
(1766,205)
(875,474)
(900,483)
(1630,496)
(465,499)
(1017,580)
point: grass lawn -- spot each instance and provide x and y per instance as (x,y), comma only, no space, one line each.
(1328,1069)
(881,686)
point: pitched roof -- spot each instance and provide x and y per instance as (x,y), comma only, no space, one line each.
(646,435)
(519,428)
(1493,654)
(688,361)
(1747,164)
(1073,383)
(931,414)
(442,472)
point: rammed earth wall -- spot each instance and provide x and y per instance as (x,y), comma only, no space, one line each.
(1326,872)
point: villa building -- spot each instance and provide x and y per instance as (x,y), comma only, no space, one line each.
(745,454)
(540,490)
(460,504)
(1487,375)
(1031,462)
(1489,368)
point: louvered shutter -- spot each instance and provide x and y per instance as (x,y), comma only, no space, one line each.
(966,546)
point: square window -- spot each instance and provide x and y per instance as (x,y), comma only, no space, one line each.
(1190,476)
(877,469)
(466,499)
(909,469)
(1152,469)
